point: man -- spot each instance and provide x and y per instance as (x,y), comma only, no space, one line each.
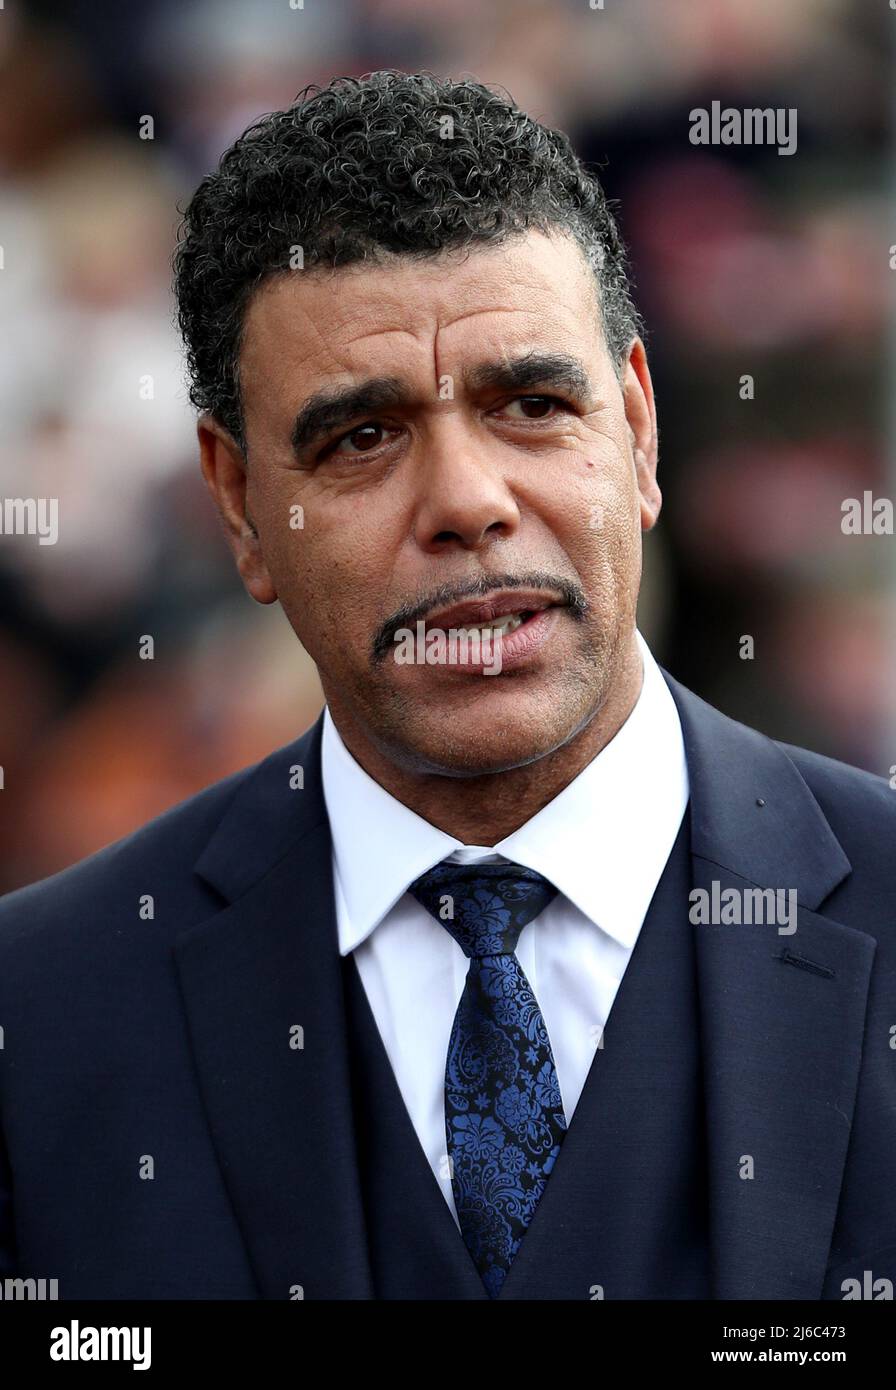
(523,973)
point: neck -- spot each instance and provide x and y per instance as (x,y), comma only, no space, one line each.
(482,810)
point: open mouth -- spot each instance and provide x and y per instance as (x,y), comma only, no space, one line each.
(498,627)
(489,637)
(502,611)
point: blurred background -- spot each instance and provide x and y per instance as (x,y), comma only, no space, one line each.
(746,263)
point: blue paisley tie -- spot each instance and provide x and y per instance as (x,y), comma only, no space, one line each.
(503,1111)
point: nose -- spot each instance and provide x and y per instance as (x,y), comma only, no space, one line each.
(465,501)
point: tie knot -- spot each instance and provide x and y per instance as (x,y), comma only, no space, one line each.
(483,906)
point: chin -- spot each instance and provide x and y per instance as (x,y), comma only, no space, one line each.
(470,747)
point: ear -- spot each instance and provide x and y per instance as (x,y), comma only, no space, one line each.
(224,470)
(640,412)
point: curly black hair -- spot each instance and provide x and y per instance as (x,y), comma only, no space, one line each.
(402,162)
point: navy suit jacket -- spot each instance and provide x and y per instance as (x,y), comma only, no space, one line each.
(164,1135)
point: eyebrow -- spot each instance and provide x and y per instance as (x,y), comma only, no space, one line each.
(331,408)
(535,369)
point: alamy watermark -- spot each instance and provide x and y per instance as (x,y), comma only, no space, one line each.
(30,516)
(456,646)
(718,906)
(770,125)
(29,1290)
(88,1343)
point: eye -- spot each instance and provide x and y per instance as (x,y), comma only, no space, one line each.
(363,439)
(536,407)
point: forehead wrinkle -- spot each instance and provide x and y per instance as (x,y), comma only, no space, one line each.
(442,327)
(408,368)
(379,332)
(488,309)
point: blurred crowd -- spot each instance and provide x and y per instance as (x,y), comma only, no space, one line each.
(764,279)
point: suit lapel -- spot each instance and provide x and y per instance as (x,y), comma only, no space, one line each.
(262,988)
(782,1013)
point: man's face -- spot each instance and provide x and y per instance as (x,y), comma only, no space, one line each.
(493,459)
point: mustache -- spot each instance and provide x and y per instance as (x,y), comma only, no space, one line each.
(573,597)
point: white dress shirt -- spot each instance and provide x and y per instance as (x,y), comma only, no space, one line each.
(603,841)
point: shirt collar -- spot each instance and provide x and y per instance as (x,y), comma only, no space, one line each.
(603,841)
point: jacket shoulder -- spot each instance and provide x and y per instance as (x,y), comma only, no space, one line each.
(855,802)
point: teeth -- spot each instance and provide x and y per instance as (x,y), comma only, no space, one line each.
(508,623)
